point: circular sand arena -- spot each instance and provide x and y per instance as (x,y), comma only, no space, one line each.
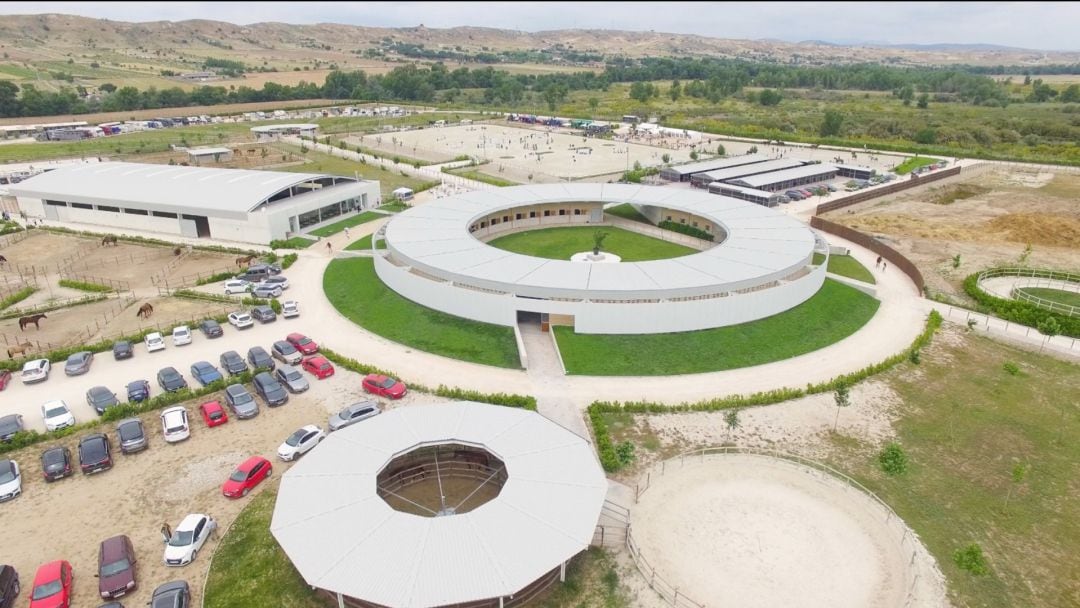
(757,531)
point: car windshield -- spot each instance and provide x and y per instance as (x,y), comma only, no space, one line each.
(216,414)
(52,457)
(238,475)
(129,431)
(294,439)
(304,341)
(56,411)
(240,398)
(286,348)
(389,382)
(102,396)
(121,346)
(7,473)
(47,590)
(116,567)
(293,375)
(181,538)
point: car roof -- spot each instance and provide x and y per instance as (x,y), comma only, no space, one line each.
(317,359)
(189,522)
(127,421)
(35,363)
(201,364)
(98,389)
(173,411)
(210,405)
(168,369)
(235,388)
(138,382)
(230,353)
(250,463)
(295,336)
(153,335)
(283,343)
(6,465)
(256,349)
(94,437)
(112,548)
(48,572)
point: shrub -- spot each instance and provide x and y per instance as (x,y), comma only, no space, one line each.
(17,297)
(214,278)
(971,558)
(84,286)
(893,459)
(1017,311)
(1011,368)
(289,260)
(915,357)
(275,306)
(625,453)
(687,230)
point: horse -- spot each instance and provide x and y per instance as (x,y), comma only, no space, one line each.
(177,251)
(145,311)
(19,349)
(109,239)
(245,260)
(35,319)
(3,260)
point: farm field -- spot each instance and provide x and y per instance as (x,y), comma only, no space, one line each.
(222,109)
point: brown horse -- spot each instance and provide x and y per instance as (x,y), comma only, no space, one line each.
(177,251)
(3,260)
(24,321)
(109,239)
(19,349)
(245,260)
(145,311)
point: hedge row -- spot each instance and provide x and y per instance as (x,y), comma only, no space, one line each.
(214,278)
(527,402)
(687,230)
(1017,311)
(147,241)
(89,299)
(213,297)
(17,297)
(84,286)
(289,260)
(606,448)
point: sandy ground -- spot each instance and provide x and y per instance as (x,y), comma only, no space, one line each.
(751,531)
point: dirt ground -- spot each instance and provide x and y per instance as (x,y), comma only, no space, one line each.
(68,518)
(47,252)
(1007,211)
(65,326)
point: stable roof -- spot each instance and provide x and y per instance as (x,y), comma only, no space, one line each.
(208,151)
(716,163)
(776,177)
(777,164)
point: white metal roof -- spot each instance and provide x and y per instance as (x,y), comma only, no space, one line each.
(716,163)
(766,179)
(775,164)
(208,151)
(762,245)
(288,127)
(344,538)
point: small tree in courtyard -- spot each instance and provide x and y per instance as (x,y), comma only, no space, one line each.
(843,399)
(1048,327)
(731,419)
(598,240)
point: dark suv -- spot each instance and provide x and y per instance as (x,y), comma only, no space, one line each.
(211,328)
(263,314)
(171,595)
(123,350)
(233,363)
(116,567)
(95,454)
(9,586)
(56,464)
(258,357)
(270,389)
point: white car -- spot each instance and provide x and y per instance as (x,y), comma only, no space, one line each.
(174,423)
(240,320)
(154,341)
(36,371)
(10,480)
(181,335)
(300,442)
(236,286)
(290,309)
(57,415)
(188,538)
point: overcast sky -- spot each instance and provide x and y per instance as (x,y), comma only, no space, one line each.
(1040,25)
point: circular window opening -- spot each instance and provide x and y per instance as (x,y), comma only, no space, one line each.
(440,480)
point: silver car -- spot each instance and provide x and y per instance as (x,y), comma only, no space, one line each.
(241,401)
(291,378)
(353,414)
(79,363)
(132,436)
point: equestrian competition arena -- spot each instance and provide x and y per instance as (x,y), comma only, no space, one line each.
(756,266)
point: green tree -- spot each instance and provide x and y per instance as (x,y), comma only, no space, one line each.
(831,123)
(720,149)
(731,419)
(675,91)
(971,558)
(665,157)
(593,104)
(693,155)
(893,460)
(1071,94)
(107,87)
(598,240)
(924,101)
(639,91)
(842,397)
(769,97)
(1048,327)
(906,93)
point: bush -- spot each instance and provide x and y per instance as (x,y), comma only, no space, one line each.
(687,230)
(17,297)
(275,306)
(625,453)
(971,558)
(915,357)
(289,260)
(893,459)
(84,286)
(214,278)
(1024,313)
(1011,368)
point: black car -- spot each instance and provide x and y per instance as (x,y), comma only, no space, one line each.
(263,314)
(9,425)
(211,329)
(171,380)
(171,595)
(233,363)
(138,391)
(9,586)
(270,389)
(132,436)
(95,454)
(56,463)
(101,398)
(258,357)
(123,350)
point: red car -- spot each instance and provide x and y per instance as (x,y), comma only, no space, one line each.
(384,385)
(52,586)
(5,377)
(213,414)
(318,367)
(304,344)
(246,476)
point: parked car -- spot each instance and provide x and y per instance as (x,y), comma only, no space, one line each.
(132,436)
(116,567)
(138,391)
(5,379)
(805,192)
(9,425)
(291,378)
(263,290)
(263,314)
(175,594)
(211,328)
(154,342)
(384,386)
(174,424)
(285,352)
(213,414)
(181,335)
(57,415)
(78,363)
(204,372)
(35,371)
(255,273)
(300,442)
(9,586)
(101,398)
(56,463)
(258,357)
(236,286)
(232,363)
(95,453)
(276,281)
(170,380)
(241,401)
(240,320)
(52,586)
(249,474)
(319,367)
(123,350)
(304,344)
(290,309)
(270,389)
(10,480)
(188,537)
(353,413)
(793,195)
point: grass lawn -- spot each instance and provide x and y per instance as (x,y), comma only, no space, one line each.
(356,291)
(627,211)
(1068,298)
(913,163)
(965,423)
(561,243)
(349,222)
(484,177)
(325,163)
(247,548)
(846,266)
(834,313)
(393,207)
(364,244)
(298,242)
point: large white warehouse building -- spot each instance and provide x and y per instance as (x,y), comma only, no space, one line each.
(226,204)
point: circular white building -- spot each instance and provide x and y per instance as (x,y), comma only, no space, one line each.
(440,505)
(757,266)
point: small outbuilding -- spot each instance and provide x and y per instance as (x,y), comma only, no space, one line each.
(403,193)
(198,156)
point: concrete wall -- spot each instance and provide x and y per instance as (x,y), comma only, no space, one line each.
(528,223)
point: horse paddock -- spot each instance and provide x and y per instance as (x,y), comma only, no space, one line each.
(61,327)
